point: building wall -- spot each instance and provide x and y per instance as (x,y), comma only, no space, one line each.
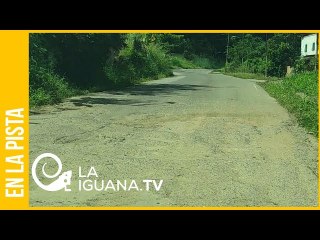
(309,45)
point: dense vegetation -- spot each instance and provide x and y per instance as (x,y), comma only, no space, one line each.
(266,54)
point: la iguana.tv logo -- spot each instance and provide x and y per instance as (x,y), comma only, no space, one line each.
(89,180)
(62,182)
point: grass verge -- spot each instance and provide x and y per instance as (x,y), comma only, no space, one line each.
(249,76)
(299,95)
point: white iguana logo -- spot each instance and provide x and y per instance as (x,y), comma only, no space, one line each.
(63,180)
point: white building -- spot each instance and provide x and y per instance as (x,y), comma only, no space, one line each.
(309,45)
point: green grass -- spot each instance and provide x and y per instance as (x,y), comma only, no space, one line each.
(245,75)
(298,94)
(178,61)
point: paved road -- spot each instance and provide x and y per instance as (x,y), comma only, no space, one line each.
(215,140)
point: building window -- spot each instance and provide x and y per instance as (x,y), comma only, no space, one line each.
(313,46)
(306,48)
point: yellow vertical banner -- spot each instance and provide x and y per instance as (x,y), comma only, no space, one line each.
(14,114)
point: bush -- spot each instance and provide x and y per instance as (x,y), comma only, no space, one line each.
(47,87)
(138,61)
(305,64)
